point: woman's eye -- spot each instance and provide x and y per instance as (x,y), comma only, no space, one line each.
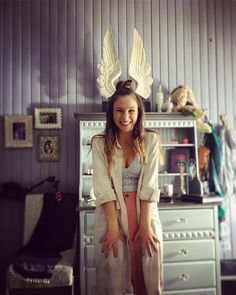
(131,111)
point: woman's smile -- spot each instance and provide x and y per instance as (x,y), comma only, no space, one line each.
(125,113)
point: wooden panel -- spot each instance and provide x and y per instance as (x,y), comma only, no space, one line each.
(35,81)
(7,80)
(71,101)
(17,85)
(220,57)
(156,66)
(130,27)
(147,38)
(97,41)
(195,50)
(204,78)
(88,54)
(228,73)
(122,39)
(26,177)
(187,43)
(80,101)
(44,66)
(63,89)
(213,110)
(180,44)
(164,62)
(171,45)
(1,61)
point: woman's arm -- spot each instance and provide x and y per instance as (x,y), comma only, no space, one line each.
(145,233)
(113,233)
(105,197)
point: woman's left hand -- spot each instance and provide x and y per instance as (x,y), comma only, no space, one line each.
(147,239)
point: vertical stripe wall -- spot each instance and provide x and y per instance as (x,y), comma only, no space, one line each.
(49,50)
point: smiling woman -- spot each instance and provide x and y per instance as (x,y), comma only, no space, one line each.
(128,234)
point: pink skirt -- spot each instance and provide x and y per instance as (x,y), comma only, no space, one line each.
(137,278)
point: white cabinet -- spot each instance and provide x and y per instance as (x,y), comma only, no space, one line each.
(190,232)
(191,249)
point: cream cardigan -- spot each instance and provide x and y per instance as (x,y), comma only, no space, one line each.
(113,274)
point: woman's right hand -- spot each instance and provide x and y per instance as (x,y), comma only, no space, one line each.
(110,241)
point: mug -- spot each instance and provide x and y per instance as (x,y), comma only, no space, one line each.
(168,190)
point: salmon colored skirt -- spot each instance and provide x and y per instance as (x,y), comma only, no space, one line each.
(137,278)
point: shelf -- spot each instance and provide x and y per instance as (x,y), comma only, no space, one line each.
(170,174)
(178,145)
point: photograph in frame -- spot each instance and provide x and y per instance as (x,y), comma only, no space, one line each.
(18,131)
(176,155)
(48,118)
(48,148)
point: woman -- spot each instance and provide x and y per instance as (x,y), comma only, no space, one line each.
(128,235)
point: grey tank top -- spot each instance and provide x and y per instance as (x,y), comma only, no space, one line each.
(130,176)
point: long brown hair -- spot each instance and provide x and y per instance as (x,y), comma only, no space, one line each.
(123,88)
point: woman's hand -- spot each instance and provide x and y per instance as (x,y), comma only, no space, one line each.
(110,241)
(147,239)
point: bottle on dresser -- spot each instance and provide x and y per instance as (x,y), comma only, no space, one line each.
(159,99)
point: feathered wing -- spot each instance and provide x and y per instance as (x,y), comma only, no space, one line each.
(109,67)
(139,69)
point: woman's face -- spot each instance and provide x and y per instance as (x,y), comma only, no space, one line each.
(125,112)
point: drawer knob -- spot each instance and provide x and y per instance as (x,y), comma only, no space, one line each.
(183,252)
(182,220)
(184,277)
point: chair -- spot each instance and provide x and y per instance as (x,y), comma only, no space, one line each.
(62,280)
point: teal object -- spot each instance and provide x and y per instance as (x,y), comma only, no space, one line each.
(212,141)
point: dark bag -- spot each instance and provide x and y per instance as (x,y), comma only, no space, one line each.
(54,233)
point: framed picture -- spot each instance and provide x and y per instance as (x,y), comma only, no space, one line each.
(48,118)
(18,131)
(177,156)
(48,148)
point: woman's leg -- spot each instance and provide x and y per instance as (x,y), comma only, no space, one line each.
(137,277)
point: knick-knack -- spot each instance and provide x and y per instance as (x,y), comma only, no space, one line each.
(159,99)
(168,104)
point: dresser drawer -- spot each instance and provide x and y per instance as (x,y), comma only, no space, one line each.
(186,219)
(89,218)
(189,275)
(89,256)
(175,251)
(192,292)
(90,281)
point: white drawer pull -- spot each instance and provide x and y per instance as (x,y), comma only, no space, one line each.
(183,252)
(184,277)
(182,220)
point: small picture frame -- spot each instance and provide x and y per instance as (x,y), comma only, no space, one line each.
(18,131)
(48,148)
(176,156)
(48,118)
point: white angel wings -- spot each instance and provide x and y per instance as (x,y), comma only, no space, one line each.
(109,67)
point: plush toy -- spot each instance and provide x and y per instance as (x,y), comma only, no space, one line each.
(184,101)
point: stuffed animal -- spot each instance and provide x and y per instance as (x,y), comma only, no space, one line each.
(184,101)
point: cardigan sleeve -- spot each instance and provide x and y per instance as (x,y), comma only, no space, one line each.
(102,184)
(149,190)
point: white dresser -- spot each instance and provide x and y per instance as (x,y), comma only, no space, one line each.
(191,249)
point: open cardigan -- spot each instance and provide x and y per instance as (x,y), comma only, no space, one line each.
(113,275)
